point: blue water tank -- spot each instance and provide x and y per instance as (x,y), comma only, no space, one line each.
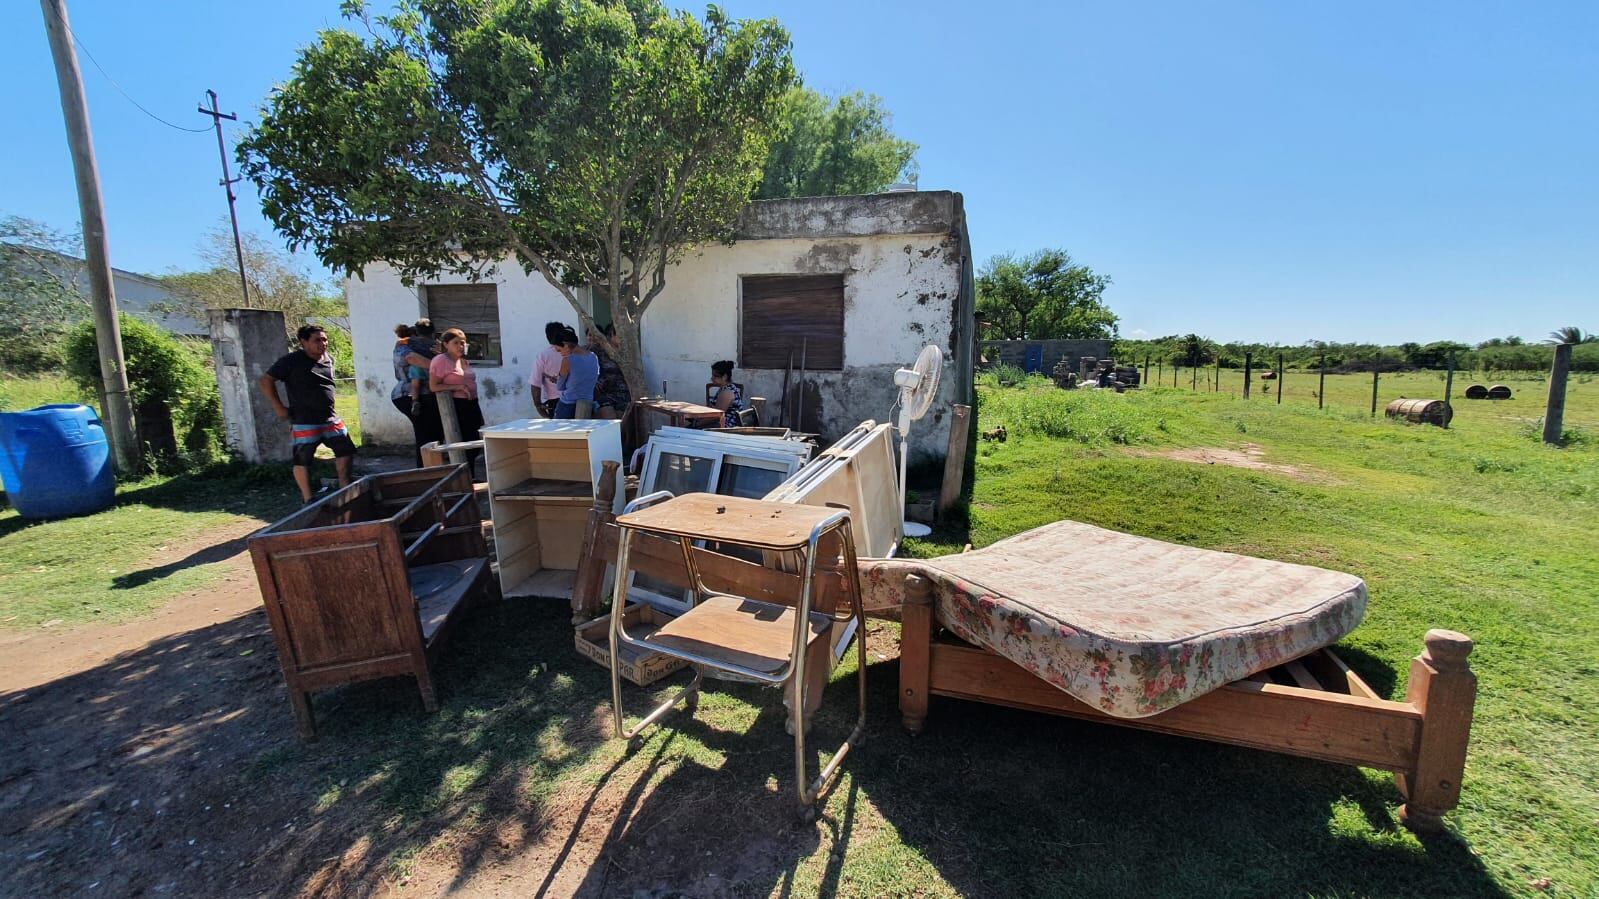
(55,461)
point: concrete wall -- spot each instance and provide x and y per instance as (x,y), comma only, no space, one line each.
(244,344)
(906,271)
(381,301)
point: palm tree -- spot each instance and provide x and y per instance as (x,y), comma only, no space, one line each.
(1571,334)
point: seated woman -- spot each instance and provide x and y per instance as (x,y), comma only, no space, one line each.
(728,397)
(611,395)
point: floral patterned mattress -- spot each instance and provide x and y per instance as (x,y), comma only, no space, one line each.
(1129,625)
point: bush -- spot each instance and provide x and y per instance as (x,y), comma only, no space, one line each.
(161,369)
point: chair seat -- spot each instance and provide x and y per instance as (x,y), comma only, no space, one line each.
(746,633)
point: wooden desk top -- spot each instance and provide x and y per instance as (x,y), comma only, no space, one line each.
(731,519)
(678,407)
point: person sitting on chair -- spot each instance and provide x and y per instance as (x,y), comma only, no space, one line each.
(728,397)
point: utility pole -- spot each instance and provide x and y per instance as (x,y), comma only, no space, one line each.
(227,186)
(118,409)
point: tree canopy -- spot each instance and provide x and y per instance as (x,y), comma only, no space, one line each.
(1043,295)
(591,141)
(833,147)
(40,297)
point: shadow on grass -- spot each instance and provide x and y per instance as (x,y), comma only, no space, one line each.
(174,769)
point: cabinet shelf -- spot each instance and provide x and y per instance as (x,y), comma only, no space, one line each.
(547,488)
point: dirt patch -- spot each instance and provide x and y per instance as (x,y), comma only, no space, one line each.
(39,655)
(1249,456)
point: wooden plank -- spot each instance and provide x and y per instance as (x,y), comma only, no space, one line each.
(955,458)
(1329,726)
(1301,676)
(549,488)
(662,558)
(560,529)
(754,635)
(915,646)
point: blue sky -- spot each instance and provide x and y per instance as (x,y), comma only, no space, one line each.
(1255,171)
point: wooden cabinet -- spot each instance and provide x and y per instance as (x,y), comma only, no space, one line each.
(543,477)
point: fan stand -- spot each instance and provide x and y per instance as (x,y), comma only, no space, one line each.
(907,527)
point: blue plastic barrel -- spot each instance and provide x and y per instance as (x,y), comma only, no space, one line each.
(54,461)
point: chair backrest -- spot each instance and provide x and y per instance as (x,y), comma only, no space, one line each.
(749,418)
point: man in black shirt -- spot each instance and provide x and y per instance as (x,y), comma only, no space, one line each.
(307,377)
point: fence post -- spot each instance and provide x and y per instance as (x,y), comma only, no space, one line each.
(1160,374)
(1449,386)
(960,425)
(1217,386)
(1145,382)
(1249,362)
(1281,377)
(1176,374)
(1321,383)
(1555,412)
(1193,382)
(452,425)
(1374,374)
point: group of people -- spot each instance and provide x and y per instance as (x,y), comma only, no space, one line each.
(569,380)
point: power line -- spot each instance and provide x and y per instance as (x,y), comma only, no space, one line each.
(127,96)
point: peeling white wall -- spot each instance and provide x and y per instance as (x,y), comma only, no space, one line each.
(382,301)
(901,292)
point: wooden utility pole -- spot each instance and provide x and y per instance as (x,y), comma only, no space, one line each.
(1449,386)
(1555,413)
(118,409)
(227,186)
(1321,382)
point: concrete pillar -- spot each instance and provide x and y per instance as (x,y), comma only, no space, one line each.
(245,343)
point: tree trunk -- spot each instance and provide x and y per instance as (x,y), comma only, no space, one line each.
(629,348)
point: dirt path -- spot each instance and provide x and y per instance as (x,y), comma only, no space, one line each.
(37,656)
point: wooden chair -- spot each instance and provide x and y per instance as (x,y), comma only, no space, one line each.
(365,583)
(758,639)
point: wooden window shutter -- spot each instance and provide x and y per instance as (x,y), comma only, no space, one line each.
(475,309)
(782,313)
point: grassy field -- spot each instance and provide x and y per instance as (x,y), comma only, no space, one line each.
(104,567)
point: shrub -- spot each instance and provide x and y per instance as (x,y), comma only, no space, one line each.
(161,369)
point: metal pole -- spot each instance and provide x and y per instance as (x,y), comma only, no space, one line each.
(1555,412)
(96,254)
(1321,382)
(1281,377)
(1449,386)
(227,185)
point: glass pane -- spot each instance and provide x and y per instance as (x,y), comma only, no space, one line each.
(748,481)
(682,474)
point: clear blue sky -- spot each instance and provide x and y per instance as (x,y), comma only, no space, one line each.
(1266,171)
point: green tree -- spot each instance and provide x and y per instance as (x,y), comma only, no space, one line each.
(1043,295)
(834,147)
(1571,334)
(276,282)
(40,294)
(591,141)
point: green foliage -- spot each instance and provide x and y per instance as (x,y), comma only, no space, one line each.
(1572,334)
(161,369)
(39,295)
(1496,355)
(1043,295)
(833,147)
(592,142)
(1086,416)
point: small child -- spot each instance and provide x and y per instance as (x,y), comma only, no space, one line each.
(423,343)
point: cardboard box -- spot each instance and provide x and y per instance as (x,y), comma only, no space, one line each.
(641,667)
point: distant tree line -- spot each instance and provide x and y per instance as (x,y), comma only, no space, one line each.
(1498,354)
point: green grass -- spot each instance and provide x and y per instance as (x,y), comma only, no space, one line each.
(103,567)
(37,390)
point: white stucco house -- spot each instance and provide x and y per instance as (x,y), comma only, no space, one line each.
(140,296)
(857,285)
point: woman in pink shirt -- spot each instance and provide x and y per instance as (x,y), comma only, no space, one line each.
(450,371)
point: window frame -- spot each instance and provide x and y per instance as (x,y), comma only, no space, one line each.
(477,341)
(772,364)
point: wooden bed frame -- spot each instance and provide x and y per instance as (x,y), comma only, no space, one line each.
(1314,706)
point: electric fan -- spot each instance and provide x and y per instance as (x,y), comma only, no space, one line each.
(917,387)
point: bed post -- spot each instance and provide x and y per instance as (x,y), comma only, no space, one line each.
(1443,688)
(915,647)
(586,599)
